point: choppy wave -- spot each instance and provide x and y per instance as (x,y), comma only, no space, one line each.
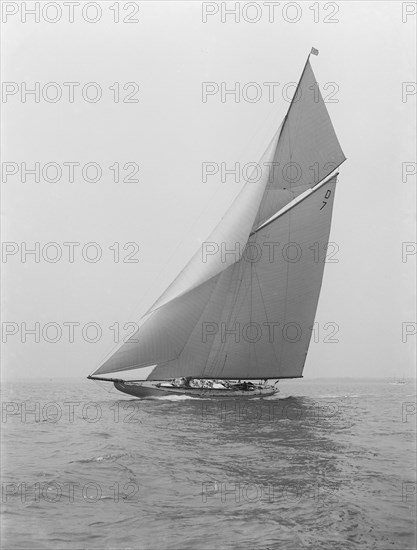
(326,465)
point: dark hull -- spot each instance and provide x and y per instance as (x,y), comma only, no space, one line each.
(149,389)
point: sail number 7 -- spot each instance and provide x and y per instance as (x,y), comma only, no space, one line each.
(326,196)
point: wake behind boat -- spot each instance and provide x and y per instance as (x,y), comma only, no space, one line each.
(247,315)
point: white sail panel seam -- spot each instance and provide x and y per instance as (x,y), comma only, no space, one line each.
(266,317)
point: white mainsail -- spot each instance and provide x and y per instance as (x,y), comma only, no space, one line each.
(250,314)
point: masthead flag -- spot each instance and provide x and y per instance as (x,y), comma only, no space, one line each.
(314,51)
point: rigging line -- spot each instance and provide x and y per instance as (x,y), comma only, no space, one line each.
(296,132)
(272,118)
(209,202)
(219,223)
(239,281)
(144,365)
(219,318)
(138,343)
(302,109)
(124,342)
(284,126)
(266,316)
(232,312)
(146,317)
(202,313)
(116,347)
(253,344)
(273,110)
(243,269)
(269,185)
(294,99)
(250,308)
(177,358)
(286,289)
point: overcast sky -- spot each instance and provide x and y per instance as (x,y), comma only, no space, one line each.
(366,60)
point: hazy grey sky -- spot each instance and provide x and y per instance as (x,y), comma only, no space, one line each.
(366,60)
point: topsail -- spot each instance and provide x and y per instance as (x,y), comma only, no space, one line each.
(250,313)
(308,149)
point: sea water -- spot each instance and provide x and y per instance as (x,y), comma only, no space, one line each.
(325,464)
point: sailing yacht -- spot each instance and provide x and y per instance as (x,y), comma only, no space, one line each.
(247,316)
